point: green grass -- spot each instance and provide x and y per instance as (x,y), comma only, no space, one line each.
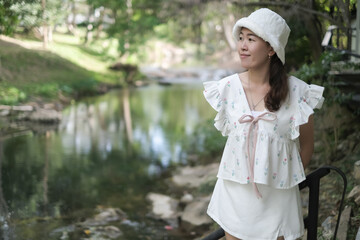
(67,66)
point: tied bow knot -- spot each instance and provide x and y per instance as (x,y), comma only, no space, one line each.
(267,116)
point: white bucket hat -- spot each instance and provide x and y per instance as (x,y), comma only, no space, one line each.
(268,25)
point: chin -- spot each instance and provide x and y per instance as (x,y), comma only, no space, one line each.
(246,66)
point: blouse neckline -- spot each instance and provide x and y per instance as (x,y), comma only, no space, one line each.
(247,103)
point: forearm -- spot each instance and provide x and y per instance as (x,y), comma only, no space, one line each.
(306,154)
(307,141)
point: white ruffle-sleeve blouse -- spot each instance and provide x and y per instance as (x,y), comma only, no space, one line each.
(275,148)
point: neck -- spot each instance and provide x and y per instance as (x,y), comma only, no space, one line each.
(259,76)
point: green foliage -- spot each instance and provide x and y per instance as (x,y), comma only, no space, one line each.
(207,187)
(200,23)
(28,14)
(340,97)
(8,19)
(79,88)
(48,90)
(134,22)
(318,71)
(85,86)
(298,49)
(11,95)
(28,73)
(207,140)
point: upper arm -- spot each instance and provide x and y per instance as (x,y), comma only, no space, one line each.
(307,140)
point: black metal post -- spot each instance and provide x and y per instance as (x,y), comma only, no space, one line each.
(313,209)
(215,235)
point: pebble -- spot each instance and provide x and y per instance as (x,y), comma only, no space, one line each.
(187,198)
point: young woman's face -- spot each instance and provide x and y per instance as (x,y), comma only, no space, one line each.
(253,51)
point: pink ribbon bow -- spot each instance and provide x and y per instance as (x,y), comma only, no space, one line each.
(267,116)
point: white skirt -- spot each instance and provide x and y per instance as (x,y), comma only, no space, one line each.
(239,212)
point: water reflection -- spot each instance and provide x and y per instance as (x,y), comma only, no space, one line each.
(108,150)
(3,205)
(155,120)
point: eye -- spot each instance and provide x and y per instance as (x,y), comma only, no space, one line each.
(251,39)
(240,38)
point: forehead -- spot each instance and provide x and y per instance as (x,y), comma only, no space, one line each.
(247,31)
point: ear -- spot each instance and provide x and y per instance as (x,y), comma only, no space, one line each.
(271,51)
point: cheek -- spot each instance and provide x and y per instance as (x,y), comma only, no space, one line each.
(238,46)
(262,52)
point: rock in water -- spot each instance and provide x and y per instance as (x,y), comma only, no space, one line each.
(105,216)
(195,176)
(163,207)
(195,212)
(45,116)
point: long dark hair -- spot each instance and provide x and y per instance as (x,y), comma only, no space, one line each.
(279,87)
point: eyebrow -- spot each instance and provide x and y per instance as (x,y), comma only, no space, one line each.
(249,34)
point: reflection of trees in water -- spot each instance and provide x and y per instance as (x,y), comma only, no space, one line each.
(3,206)
(91,160)
(4,210)
(46,174)
(127,115)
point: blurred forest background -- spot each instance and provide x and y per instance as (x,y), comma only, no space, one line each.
(95,34)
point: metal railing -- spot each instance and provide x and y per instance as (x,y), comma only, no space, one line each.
(333,32)
(312,181)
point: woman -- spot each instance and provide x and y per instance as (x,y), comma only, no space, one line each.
(267,117)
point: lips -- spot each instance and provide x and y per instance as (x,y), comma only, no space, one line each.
(244,55)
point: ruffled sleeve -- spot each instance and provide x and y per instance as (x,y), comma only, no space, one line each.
(215,94)
(308,98)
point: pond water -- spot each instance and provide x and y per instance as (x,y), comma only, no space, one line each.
(110,151)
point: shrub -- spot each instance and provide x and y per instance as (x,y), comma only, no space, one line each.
(11,95)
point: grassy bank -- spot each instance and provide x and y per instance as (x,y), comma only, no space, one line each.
(66,68)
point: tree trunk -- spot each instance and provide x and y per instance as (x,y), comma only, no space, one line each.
(197,30)
(357,45)
(89,28)
(315,35)
(71,25)
(130,13)
(227,28)
(101,24)
(45,26)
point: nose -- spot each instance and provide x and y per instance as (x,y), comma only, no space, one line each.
(243,45)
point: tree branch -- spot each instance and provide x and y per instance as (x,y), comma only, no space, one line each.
(289,5)
(344,10)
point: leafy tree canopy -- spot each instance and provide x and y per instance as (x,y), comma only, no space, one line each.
(206,23)
(28,14)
